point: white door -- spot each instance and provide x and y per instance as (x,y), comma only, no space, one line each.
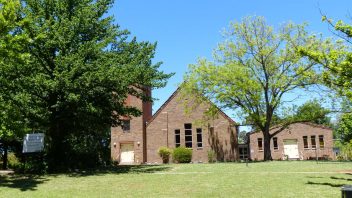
(126,154)
(291,148)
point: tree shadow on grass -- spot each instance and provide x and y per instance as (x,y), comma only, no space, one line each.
(341,178)
(22,182)
(314,177)
(122,169)
(332,181)
(31,182)
(325,184)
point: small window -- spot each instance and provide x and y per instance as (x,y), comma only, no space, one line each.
(199,138)
(321,141)
(312,139)
(305,142)
(276,146)
(260,144)
(177,138)
(126,126)
(188,135)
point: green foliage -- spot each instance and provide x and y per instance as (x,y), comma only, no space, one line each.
(313,111)
(344,130)
(211,156)
(336,57)
(13,124)
(253,69)
(33,163)
(242,137)
(13,160)
(182,155)
(78,69)
(164,153)
(345,151)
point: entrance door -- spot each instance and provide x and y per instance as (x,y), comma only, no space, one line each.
(126,154)
(291,149)
(243,152)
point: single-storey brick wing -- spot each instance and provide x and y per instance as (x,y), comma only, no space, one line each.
(302,141)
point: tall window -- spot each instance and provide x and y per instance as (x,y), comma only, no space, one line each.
(126,126)
(276,146)
(312,140)
(321,141)
(188,135)
(199,138)
(305,142)
(260,144)
(177,138)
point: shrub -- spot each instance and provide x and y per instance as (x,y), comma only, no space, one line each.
(182,155)
(164,153)
(340,158)
(211,156)
(13,161)
(34,163)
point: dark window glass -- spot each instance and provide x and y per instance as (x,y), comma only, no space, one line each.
(199,138)
(188,138)
(188,135)
(177,138)
(188,126)
(188,132)
(305,141)
(276,147)
(321,141)
(312,139)
(126,126)
(260,144)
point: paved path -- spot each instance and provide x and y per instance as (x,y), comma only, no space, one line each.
(6,172)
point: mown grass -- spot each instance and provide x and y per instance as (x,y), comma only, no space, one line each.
(264,179)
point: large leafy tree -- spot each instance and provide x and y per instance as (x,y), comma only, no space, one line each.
(337,72)
(314,112)
(12,41)
(80,69)
(253,70)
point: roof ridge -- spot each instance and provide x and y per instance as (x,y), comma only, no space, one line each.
(173,95)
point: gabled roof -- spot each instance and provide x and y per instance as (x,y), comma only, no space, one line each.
(173,96)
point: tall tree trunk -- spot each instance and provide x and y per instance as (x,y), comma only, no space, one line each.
(267,150)
(56,151)
(55,136)
(4,159)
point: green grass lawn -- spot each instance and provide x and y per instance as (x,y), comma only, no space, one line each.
(264,179)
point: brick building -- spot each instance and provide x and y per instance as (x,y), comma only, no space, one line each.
(299,141)
(139,138)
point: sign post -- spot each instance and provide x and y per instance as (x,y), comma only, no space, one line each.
(33,143)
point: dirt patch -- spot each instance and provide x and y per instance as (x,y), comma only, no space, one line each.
(345,171)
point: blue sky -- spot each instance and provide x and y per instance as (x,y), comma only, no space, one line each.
(187,30)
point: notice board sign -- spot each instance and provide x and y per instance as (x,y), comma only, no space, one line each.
(33,143)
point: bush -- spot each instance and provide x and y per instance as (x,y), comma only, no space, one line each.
(182,155)
(345,152)
(164,153)
(211,156)
(340,158)
(13,161)
(34,163)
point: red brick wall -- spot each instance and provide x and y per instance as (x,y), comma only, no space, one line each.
(295,131)
(161,132)
(135,135)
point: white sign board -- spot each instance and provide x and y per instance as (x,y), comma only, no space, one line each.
(33,143)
